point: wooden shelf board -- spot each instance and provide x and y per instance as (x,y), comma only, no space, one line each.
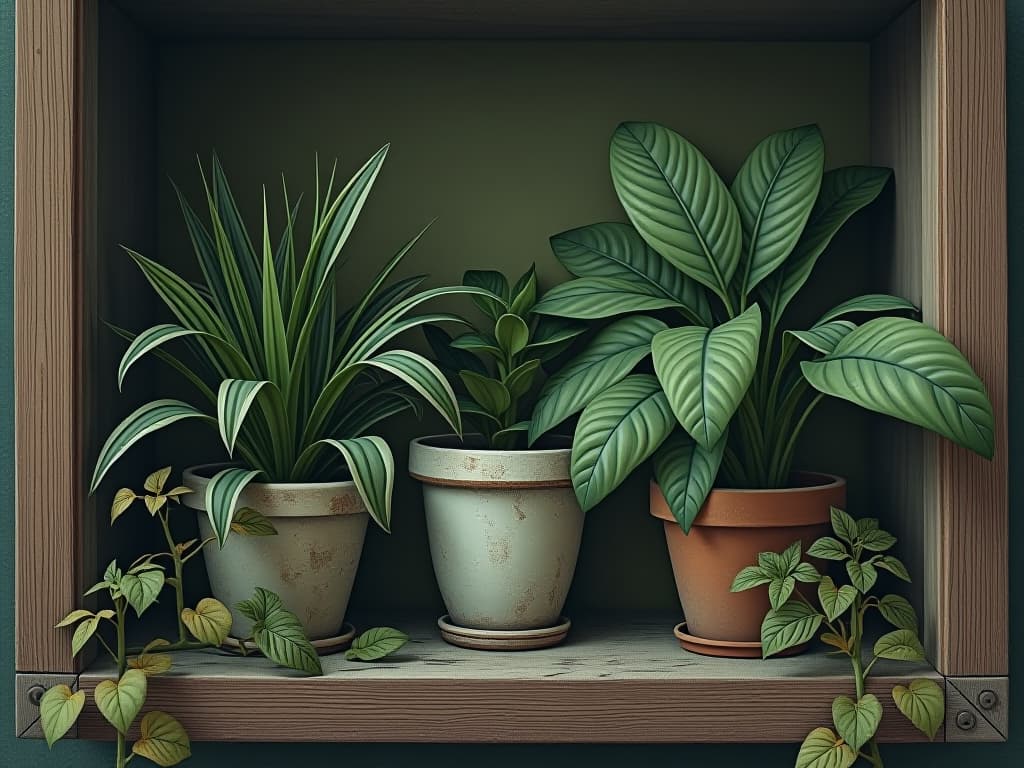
(627,683)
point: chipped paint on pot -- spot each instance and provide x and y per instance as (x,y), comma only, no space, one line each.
(504,529)
(312,561)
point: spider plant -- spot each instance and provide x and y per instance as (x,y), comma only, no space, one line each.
(292,381)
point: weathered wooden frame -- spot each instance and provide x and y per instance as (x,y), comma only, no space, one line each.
(938,117)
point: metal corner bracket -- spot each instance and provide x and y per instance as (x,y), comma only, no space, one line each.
(28,687)
(977,708)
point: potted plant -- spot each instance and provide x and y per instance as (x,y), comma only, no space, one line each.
(703,275)
(294,383)
(503,522)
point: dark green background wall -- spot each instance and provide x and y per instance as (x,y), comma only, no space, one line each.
(14,753)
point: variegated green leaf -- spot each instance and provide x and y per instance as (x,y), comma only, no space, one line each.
(686,472)
(424,377)
(593,298)
(222,496)
(147,341)
(372,466)
(234,399)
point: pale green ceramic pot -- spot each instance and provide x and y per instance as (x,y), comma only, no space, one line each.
(504,530)
(312,561)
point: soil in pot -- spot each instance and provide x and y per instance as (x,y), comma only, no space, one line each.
(733,527)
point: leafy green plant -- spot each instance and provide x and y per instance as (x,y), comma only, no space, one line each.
(793,619)
(290,379)
(704,275)
(495,368)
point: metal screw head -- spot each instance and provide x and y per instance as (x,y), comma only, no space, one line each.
(35,694)
(987,699)
(966,720)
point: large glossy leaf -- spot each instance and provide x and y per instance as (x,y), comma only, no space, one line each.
(490,394)
(686,472)
(618,430)
(59,708)
(844,191)
(923,704)
(824,337)
(904,369)
(677,202)
(119,702)
(372,466)
(823,749)
(706,372)
(592,298)
(775,189)
(143,421)
(162,739)
(616,250)
(608,358)
(234,399)
(222,496)
(869,302)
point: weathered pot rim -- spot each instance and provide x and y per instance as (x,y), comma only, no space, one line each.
(460,466)
(733,508)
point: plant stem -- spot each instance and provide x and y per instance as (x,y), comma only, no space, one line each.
(119,606)
(179,587)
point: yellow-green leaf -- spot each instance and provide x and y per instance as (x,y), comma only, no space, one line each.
(155,482)
(248,522)
(59,708)
(83,632)
(922,703)
(209,623)
(178,490)
(163,740)
(153,503)
(823,749)
(857,721)
(120,702)
(901,645)
(831,638)
(151,663)
(74,616)
(122,500)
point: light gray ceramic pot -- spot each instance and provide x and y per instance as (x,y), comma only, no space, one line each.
(312,561)
(504,529)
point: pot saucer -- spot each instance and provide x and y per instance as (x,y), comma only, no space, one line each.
(324,647)
(728,649)
(503,639)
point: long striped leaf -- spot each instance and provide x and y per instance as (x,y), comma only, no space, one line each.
(384,301)
(686,472)
(275,337)
(206,255)
(174,362)
(222,495)
(592,298)
(234,399)
(424,377)
(616,250)
(606,360)
(148,340)
(677,202)
(618,430)
(141,422)
(869,302)
(904,369)
(373,471)
(371,344)
(774,191)
(230,218)
(706,372)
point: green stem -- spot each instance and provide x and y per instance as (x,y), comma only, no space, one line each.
(179,587)
(122,665)
(783,458)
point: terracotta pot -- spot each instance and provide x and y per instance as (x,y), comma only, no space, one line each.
(731,529)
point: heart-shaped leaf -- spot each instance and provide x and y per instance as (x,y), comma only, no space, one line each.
(923,704)
(750,577)
(120,702)
(835,601)
(376,643)
(901,645)
(59,708)
(686,472)
(898,612)
(151,664)
(156,481)
(857,721)
(862,575)
(248,522)
(823,749)
(209,623)
(141,589)
(162,740)
(793,624)
(122,500)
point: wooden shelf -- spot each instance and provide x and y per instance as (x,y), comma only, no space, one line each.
(626,683)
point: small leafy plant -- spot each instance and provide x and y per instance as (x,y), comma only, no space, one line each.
(494,369)
(793,620)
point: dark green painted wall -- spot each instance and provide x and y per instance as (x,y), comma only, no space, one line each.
(15,754)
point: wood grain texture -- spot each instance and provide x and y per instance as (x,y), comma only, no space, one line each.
(569,19)
(631,683)
(965,141)
(48,357)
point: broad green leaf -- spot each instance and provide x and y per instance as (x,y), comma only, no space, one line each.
(142,589)
(495,283)
(866,524)
(617,431)
(280,638)
(835,602)
(750,577)
(793,624)
(222,496)
(828,548)
(519,380)
(686,472)
(824,338)
(74,617)
(143,421)
(248,522)
(774,191)
(209,622)
(119,702)
(894,566)
(593,298)
(877,540)
(823,749)
(59,708)
(806,573)
(907,370)
(616,250)
(511,333)
(162,739)
(844,191)
(870,302)
(82,633)
(234,399)
(773,563)
(607,359)
(515,429)
(862,575)
(900,644)
(898,612)
(490,393)
(553,333)
(780,590)
(923,704)
(677,202)
(372,466)
(844,526)
(524,293)
(857,721)
(376,643)
(706,372)
(122,500)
